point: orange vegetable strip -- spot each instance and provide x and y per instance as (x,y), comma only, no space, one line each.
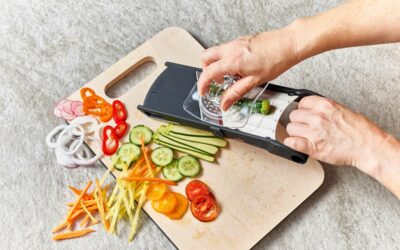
(135,167)
(105,200)
(69,226)
(88,213)
(84,221)
(145,156)
(78,200)
(78,192)
(100,205)
(152,179)
(86,202)
(74,234)
(59,227)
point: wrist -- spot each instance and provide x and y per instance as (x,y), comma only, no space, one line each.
(381,160)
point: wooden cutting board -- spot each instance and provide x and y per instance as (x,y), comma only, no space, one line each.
(255,189)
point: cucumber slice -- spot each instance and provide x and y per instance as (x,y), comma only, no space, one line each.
(162,156)
(163,138)
(188,166)
(202,156)
(119,164)
(184,130)
(128,152)
(171,172)
(195,145)
(215,141)
(137,132)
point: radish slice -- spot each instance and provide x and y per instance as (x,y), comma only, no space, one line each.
(79,110)
(67,116)
(75,107)
(60,104)
(67,107)
(57,112)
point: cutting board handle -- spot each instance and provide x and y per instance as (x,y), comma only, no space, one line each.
(125,66)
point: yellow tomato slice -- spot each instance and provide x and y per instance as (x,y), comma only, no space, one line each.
(156,191)
(180,208)
(166,204)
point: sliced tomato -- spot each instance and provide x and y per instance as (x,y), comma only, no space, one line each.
(195,188)
(204,208)
(156,191)
(166,204)
(180,208)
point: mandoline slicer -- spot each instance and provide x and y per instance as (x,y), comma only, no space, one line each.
(173,97)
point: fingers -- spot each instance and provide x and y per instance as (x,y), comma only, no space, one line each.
(296,129)
(300,144)
(214,71)
(318,104)
(307,117)
(210,55)
(237,91)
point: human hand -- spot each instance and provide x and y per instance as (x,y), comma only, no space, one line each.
(330,132)
(255,59)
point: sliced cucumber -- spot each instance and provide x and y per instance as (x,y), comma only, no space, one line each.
(128,152)
(184,130)
(162,156)
(195,145)
(140,131)
(188,166)
(163,138)
(202,156)
(118,163)
(171,171)
(215,141)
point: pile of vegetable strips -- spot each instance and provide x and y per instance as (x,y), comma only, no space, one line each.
(86,205)
(131,185)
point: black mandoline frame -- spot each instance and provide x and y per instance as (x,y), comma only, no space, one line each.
(167,94)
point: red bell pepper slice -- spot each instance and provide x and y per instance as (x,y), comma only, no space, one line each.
(119,111)
(110,141)
(120,129)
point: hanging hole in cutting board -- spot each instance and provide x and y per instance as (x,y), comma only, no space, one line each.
(135,76)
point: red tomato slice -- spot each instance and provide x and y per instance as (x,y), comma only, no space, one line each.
(166,204)
(204,208)
(156,191)
(180,208)
(195,188)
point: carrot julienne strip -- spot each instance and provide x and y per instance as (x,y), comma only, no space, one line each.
(74,234)
(78,200)
(88,213)
(84,221)
(59,227)
(145,156)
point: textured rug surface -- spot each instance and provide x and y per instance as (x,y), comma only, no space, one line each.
(49,48)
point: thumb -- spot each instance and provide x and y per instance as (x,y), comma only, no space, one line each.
(237,91)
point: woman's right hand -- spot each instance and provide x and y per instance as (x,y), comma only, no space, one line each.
(255,59)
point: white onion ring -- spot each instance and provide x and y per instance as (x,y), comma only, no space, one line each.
(67,133)
(52,133)
(87,122)
(65,160)
(88,161)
